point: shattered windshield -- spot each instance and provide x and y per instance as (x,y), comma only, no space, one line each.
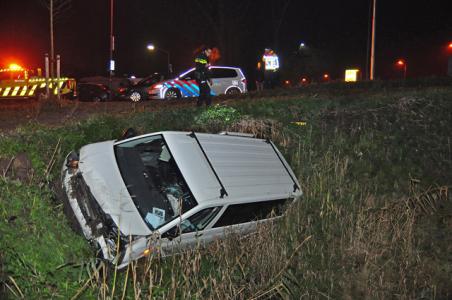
(153,180)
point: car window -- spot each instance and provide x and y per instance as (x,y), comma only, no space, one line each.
(243,213)
(197,222)
(149,81)
(189,76)
(223,73)
(153,180)
(82,87)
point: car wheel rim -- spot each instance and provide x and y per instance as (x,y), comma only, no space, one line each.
(171,94)
(135,97)
(233,92)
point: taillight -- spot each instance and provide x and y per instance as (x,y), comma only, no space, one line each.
(244,81)
(122,90)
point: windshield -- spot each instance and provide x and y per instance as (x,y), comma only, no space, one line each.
(153,79)
(187,75)
(153,180)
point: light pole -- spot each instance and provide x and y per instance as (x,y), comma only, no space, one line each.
(151,47)
(111,63)
(372,46)
(402,64)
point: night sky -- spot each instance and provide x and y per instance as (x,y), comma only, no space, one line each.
(335,34)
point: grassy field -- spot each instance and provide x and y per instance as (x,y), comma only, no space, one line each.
(375,220)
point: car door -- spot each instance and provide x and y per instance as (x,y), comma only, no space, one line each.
(223,79)
(190,232)
(83,92)
(217,86)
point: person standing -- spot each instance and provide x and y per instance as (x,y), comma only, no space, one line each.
(259,77)
(202,76)
(271,68)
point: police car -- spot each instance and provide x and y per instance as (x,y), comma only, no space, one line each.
(225,80)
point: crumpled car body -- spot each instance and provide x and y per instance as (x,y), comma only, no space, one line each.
(167,191)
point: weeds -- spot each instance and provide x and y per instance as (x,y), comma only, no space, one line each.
(216,118)
(374,221)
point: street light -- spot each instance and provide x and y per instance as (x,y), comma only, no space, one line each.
(402,64)
(151,47)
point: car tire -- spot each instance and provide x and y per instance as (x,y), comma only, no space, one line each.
(97,99)
(172,94)
(135,96)
(233,91)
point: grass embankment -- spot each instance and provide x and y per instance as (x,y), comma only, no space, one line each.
(375,220)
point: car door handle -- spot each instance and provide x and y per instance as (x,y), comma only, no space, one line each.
(198,235)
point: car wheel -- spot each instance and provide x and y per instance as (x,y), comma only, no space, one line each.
(172,94)
(97,99)
(233,91)
(135,96)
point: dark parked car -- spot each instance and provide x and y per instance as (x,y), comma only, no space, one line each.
(139,91)
(93,92)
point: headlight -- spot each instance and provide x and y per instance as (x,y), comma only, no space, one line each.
(72,160)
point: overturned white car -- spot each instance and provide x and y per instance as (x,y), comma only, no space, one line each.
(167,191)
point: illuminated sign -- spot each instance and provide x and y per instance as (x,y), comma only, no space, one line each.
(351,75)
(112,65)
(271,62)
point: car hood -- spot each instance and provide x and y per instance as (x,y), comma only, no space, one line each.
(100,172)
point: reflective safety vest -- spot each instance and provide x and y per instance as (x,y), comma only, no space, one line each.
(34,86)
(271,62)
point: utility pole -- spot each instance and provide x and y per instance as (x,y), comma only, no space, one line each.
(372,48)
(111,63)
(52,51)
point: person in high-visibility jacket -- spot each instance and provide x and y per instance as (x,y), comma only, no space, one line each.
(202,76)
(271,68)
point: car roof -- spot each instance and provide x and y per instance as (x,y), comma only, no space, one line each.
(92,84)
(213,67)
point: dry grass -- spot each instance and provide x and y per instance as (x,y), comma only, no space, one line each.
(338,241)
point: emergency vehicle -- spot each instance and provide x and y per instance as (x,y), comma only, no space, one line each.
(20,83)
(225,80)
